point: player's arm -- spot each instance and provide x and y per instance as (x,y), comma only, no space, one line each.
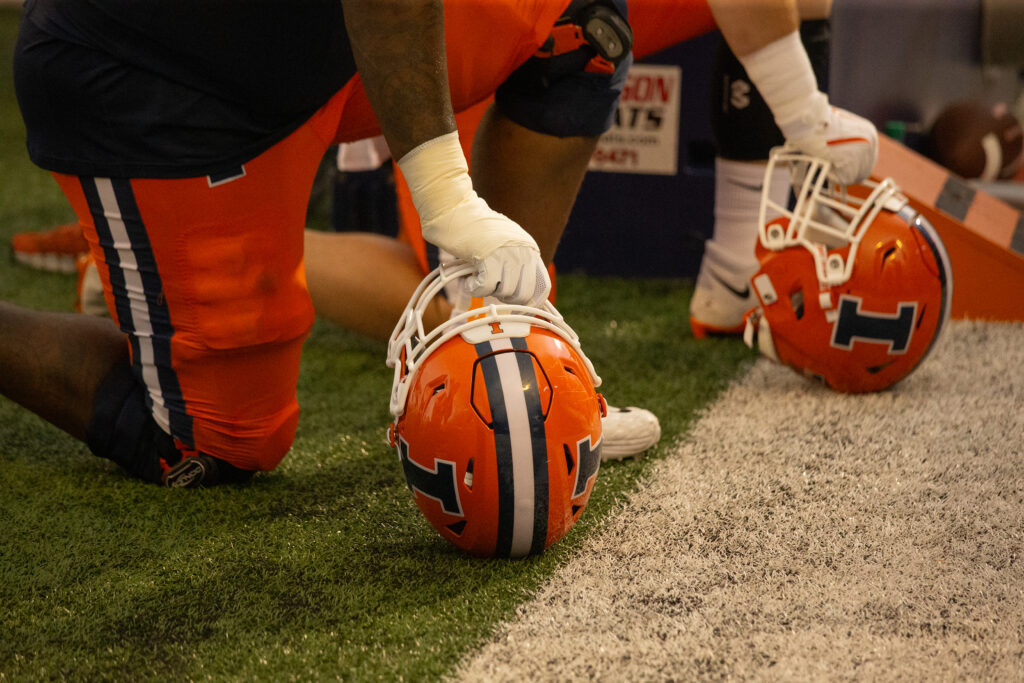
(764,36)
(399,48)
(748,25)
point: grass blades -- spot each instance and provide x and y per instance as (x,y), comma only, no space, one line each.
(321,569)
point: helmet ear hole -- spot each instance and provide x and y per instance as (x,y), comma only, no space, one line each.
(875,369)
(478,396)
(570,464)
(796,301)
(468,478)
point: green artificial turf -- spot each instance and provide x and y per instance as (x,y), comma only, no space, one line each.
(323,568)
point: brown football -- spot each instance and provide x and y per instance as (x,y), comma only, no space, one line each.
(975,140)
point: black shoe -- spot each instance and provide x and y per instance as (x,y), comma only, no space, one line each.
(204,470)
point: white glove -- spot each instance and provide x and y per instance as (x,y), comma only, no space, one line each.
(783,75)
(514,274)
(454,218)
(848,141)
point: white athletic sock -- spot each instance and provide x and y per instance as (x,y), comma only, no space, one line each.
(737,204)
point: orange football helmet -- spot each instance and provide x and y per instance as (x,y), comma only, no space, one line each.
(854,285)
(497,423)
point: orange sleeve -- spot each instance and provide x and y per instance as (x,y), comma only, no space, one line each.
(659,24)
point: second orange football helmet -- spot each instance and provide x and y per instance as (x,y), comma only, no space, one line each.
(854,286)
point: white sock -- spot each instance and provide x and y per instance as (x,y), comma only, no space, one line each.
(737,204)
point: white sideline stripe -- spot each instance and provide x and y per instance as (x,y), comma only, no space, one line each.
(141,321)
(521,444)
(617,609)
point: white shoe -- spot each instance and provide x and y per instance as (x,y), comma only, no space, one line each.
(54,250)
(721,296)
(90,299)
(627,432)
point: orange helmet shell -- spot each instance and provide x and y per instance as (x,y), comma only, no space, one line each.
(871,330)
(497,426)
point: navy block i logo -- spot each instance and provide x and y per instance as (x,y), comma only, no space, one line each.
(855,324)
(438,483)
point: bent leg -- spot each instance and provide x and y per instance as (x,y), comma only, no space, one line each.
(53,363)
(745,132)
(74,371)
(205,277)
(363,281)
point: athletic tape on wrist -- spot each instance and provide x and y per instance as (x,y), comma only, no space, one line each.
(438,176)
(782,73)
(452,215)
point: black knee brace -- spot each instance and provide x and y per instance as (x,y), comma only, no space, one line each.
(742,123)
(571,86)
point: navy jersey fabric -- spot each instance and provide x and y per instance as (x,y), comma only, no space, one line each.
(172,88)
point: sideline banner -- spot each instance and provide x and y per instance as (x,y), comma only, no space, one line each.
(645,135)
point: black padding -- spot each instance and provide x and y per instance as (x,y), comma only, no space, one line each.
(123,430)
(556,95)
(742,123)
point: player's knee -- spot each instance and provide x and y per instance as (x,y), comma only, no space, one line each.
(743,125)
(122,429)
(261,442)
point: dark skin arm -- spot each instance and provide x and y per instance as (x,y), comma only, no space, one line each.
(400,53)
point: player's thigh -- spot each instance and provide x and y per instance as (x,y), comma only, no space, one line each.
(206,277)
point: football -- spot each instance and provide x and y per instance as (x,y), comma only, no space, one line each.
(976,140)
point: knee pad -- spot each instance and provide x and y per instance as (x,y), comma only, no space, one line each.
(742,123)
(123,430)
(571,86)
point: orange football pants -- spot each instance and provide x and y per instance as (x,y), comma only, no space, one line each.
(205,276)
